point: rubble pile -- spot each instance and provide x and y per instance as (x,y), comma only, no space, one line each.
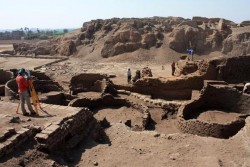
(146,72)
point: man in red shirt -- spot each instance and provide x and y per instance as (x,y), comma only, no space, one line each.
(23,86)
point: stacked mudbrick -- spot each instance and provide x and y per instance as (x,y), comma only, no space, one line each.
(75,122)
(202,128)
(12,139)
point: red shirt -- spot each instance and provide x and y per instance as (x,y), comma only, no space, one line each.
(22,83)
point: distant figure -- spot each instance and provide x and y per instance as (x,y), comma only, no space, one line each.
(137,76)
(191,52)
(129,75)
(246,89)
(163,68)
(173,68)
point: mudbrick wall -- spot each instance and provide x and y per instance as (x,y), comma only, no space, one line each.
(221,97)
(172,88)
(202,128)
(12,139)
(75,124)
(86,81)
(45,86)
(11,88)
(234,70)
(108,101)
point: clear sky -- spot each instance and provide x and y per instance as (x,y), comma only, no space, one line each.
(72,13)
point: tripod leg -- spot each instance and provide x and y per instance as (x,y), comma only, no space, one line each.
(18,107)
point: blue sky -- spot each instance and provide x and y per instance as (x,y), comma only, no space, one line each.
(72,13)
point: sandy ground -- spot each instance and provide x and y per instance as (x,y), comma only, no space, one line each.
(163,146)
(4,47)
(19,62)
(147,149)
(215,116)
(122,114)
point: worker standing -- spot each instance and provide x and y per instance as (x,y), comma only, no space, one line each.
(173,68)
(23,86)
(129,75)
(191,52)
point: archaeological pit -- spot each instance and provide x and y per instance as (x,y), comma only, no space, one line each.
(93,103)
(218,110)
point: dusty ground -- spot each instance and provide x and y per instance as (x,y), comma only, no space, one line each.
(4,47)
(19,62)
(122,114)
(215,116)
(164,145)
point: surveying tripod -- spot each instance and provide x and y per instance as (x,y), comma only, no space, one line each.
(34,97)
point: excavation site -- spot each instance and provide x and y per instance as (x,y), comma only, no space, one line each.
(174,109)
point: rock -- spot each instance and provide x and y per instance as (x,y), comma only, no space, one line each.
(105,123)
(66,48)
(221,24)
(15,120)
(95,163)
(156,135)
(149,39)
(245,23)
(128,123)
(190,23)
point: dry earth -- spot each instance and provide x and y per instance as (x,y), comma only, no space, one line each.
(163,146)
